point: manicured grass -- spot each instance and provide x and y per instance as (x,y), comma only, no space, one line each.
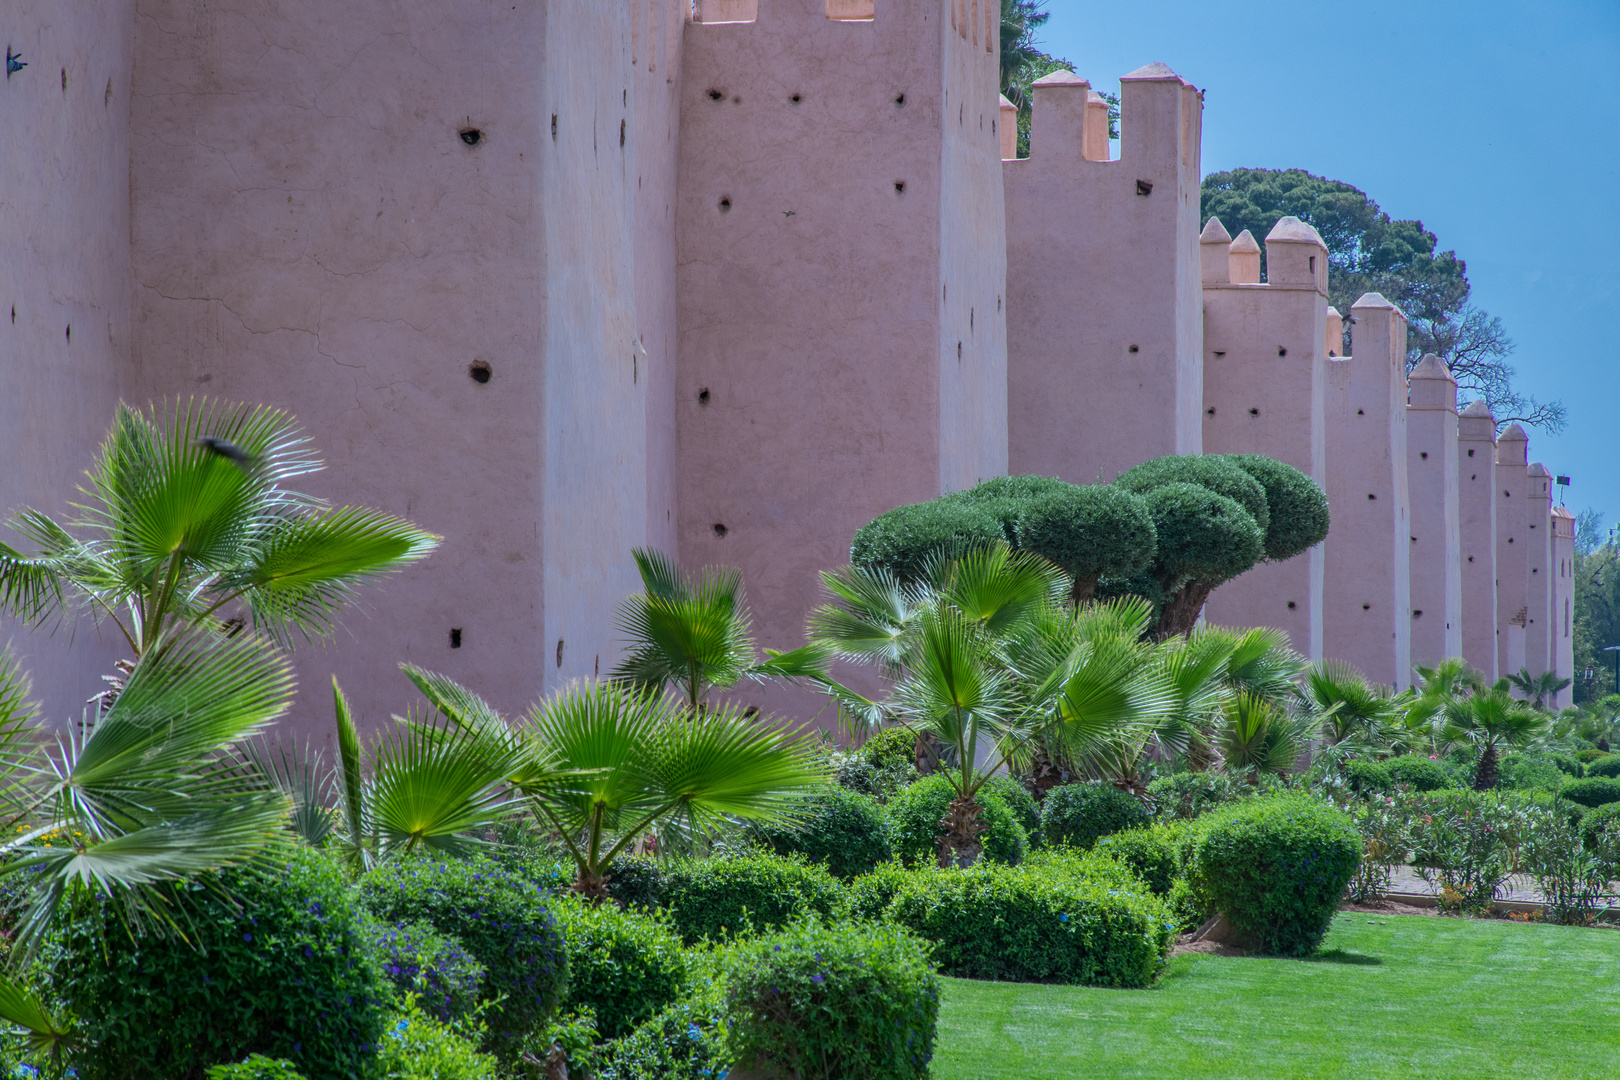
(1391,996)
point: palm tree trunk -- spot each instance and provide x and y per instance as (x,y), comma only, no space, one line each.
(960,846)
(1486,774)
(592,886)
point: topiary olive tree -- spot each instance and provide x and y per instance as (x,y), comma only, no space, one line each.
(1204,539)
(1297,507)
(1090,532)
(903,540)
(1216,472)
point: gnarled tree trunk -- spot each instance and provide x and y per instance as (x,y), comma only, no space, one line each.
(1180,612)
(960,846)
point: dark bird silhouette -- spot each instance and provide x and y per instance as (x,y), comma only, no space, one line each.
(227,450)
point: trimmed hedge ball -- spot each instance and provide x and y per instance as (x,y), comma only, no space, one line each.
(1078,815)
(1596,822)
(1214,472)
(1608,767)
(1592,792)
(1298,508)
(623,965)
(1421,774)
(915,831)
(1089,532)
(905,540)
(1367,777)
(739,895)
(1150,853)
(1277,868)
(1203,536)
(843,831)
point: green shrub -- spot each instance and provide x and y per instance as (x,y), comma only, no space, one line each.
(1595,822)
(416,958)
(1213,472)
(254,1067)
(1089,532)
(1590,755)
(1421,774)
(684,1042)
(905,539)
(1568,765)
(1608,767)
(736,895)
(1203,536)
(637,881)
(1187,795)
(841,830)
(1150,853)
(857,1000)
(1529,772)
(1077,815)
(1592,792)
(1277,868)
(502,919)
(1017,798)
(868,896)
(1063,918)
(419,1047)
(915,831)
(1297,507)
(1367,777)
(891,748)
(622,965)
(284,974)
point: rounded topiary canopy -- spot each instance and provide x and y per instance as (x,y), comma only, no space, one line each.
(904,539)
(1202,536)
(1212,471)
(1089,532)
(1297,506)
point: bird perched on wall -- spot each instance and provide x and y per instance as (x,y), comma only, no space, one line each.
(14,62)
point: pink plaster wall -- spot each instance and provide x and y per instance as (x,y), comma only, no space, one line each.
(819,302)
(1476,511)
(64,292)
(1512,549)
(310,230)
(1436,537)
(1096,270)
(1264,393)
(1366,618)
(1563,651)
(1539,627)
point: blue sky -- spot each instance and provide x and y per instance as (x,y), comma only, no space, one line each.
(1497,124)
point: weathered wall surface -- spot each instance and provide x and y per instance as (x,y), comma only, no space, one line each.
(1563,651)
(1538,626)
(1512,549)
(1476,511)
(1264,392)
(1366,619)
(1432,484)
(311,229)
(815,178)
(64,291)
(1105,306)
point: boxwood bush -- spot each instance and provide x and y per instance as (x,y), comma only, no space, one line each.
(1590,755)
(857,1000)
(1608,767)
(1277,868)
(1017,798)
(868,896)
(281,972)
(637,881)
(1062,918)
(1078,815)
(891,748)
(1186,795)
(1592,792)
(1150,853)
(841,830)
(415,958)
(1367,777)
(686,1041)
(1529,772)
(622,965)
(1421,774)
(736,895)
(504,920)
(915,831)
(1595,822)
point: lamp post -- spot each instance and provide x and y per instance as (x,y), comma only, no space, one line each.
(1616,650)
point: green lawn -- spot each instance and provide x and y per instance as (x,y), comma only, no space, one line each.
(1391,996)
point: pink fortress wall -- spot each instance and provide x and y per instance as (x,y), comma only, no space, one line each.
(1512,549)
(1476,508)
(1436,539)
(310,230)
(64,291)
(820,307)
(1095,270)
(1538,630)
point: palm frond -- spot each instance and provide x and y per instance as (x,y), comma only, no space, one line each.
(433,789)
(310,787)
(997,587)
(351,780)
(1258,736)
(44,1031)
(21,750)
(1110,687)
(805,662)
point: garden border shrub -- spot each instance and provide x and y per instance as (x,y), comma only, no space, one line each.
(914,828)
(1079,814)
(624,965)
(844,831)
(1607,767)
(1421,774)
(733,896)
(1592,792)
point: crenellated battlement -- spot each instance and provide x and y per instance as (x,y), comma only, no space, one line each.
(1296,257)
(1160,120)
(976,22)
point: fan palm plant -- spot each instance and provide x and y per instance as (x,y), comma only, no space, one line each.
(602,765)
(1491,719)
(1347,707)
(1257,736)
(1538,690)
(186,520)
(694,633)
(988,662)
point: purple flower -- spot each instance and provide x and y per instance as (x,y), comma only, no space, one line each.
(817,979)
(247,937)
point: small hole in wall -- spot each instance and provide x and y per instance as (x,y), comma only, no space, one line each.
(796,98)
(751,712)
(992,127)
(1470,558)
(1220,352)
(478,371)
(1360,413)
(1144,187)
(70,333)
(64,80)
(553,127)
(1371,496)
(621,132)
(1424,454)
(1282,352)
(725,204)
(1470,453)
(719,529)
(559,651)
(1510,539)
(1133,349)
(455,637)
(899,187)
(970,318)
(900,101)
(1414,539)
(1366,607)
(716,95)
(1211,410)
(1254,412)
(703,396)
(1417,613)
(13,314)
(958,350)
(1290,605)
(736,99)
(1473,476)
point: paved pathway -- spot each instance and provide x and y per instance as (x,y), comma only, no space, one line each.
(1520,888)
